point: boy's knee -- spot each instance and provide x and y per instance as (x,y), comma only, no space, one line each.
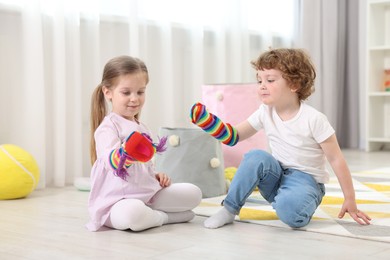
(293,217)
(256,153)
(292,214)
(295,220)
(256,156)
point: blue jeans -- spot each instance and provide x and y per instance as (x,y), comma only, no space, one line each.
(294,195)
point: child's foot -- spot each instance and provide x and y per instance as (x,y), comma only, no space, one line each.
(179,217)
(219,219)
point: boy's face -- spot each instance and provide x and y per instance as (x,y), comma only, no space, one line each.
(273,89)
(128,96)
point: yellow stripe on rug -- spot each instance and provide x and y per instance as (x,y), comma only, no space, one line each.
(328,200)
(334,212)
(256,214)
(378,187)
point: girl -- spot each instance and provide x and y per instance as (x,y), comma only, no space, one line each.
(129,194)
(301,139)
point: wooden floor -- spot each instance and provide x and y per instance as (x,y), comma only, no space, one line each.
(49,224)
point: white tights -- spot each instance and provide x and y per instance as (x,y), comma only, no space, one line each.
(173,204)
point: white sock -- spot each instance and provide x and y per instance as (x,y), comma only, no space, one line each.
(219,219)
(164,216)
(179,217)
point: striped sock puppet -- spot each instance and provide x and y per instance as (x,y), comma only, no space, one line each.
(137,148)
(210,123)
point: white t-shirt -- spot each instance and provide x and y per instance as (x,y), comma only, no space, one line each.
(295,142)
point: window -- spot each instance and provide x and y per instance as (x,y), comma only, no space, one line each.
(263,16)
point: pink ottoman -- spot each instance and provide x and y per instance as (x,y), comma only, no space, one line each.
(234,103)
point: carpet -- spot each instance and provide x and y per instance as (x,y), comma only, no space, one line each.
(372,195)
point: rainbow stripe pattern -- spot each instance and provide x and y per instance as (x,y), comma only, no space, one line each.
(138,147)
(213,125)
(115,157)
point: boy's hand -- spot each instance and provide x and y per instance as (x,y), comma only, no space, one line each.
(359,216)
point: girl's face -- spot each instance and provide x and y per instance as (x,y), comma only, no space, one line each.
(128,96)
(273,89)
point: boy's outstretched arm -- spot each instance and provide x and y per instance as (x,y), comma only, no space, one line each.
(213,125)
(336,159)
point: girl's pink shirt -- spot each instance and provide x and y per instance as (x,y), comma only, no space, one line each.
(106,188)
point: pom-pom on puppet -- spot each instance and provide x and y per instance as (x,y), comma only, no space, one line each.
(138,147)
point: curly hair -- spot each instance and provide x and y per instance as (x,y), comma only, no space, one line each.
(295,65)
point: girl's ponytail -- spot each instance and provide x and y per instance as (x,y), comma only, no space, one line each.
(98,112)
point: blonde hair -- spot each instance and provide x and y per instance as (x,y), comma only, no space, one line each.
(116,67)
(295,65)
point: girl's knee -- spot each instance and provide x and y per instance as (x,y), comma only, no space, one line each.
(190,195)
(126,213)
(127,206)
(196,196)
(193,190)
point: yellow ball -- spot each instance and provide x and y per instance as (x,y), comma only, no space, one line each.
(229,173)
(19,172)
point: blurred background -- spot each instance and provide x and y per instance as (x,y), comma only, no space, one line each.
(52,55)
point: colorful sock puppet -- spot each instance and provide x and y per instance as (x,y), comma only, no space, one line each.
(213,125)
(137,148)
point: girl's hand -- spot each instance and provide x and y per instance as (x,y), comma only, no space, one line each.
(359,216)
(164,180)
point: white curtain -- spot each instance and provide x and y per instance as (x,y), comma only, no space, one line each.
(52,54)
(328,29)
